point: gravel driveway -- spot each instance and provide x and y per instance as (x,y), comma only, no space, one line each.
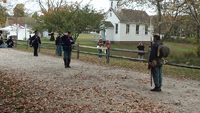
(88,87)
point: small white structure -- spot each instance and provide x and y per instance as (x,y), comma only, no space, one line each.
(125,25)
(15,30)
(45,34)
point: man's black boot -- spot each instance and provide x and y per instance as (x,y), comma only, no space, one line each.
(156,89)
(68,62)
(65,62)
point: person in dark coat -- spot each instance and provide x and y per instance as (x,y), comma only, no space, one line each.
(59,44)
(1,41)
(157,70)
(34,42)
(140,48)
(10,42)
(67,42)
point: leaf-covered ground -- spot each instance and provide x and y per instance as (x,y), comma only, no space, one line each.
(42,84)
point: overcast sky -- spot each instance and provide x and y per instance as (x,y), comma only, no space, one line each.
(33,6)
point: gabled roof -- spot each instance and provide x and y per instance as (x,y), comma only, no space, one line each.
(21,21)
(129,15)
(14,20)
(108,24)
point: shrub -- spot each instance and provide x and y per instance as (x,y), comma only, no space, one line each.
(174,56)
(189,40)
(190,54)
(198,50)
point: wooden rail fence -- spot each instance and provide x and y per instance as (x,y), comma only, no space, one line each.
(108,55)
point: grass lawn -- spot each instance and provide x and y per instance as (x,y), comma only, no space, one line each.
(177,50)
(179,47)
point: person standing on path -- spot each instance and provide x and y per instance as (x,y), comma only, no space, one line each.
(59,45)
(140,48)
(67,42)
(100,45)
(34,42)
(157,70)
(10,42)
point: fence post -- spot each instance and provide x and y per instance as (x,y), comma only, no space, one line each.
(56,50)
(108,54)
(39,47)
(149,51)
(27,44)
(15,42)
(77,50)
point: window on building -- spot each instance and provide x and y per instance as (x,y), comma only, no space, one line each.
(137,29)
(146,29)
(110,14)
(116,28)
(117,3)
(111,4)
(127,28)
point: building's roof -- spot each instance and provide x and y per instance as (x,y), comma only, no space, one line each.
(129,15)
(108,24)
(20,20)
(14,20)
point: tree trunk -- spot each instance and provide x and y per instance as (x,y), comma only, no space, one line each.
(159,16)
(198,34)
(75,37)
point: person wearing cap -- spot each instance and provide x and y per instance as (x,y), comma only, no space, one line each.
(157,70)
(59,44)
(67,42)
(100,44)
(10,42)
(34,42)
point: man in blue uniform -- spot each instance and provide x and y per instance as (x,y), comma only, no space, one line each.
(59,45)
(34,42)
(67,42)
(157,70)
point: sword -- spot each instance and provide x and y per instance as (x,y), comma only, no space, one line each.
(151,78)
(150,66)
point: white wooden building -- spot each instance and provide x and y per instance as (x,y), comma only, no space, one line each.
(125,25)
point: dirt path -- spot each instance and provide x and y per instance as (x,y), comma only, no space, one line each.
(91,88)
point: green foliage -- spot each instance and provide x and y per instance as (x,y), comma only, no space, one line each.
(189,40)
(75,18)
(35,15)
(190,54)
(19,10)
(3,16)
(173,56)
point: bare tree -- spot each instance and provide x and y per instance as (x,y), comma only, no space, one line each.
(192,8)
